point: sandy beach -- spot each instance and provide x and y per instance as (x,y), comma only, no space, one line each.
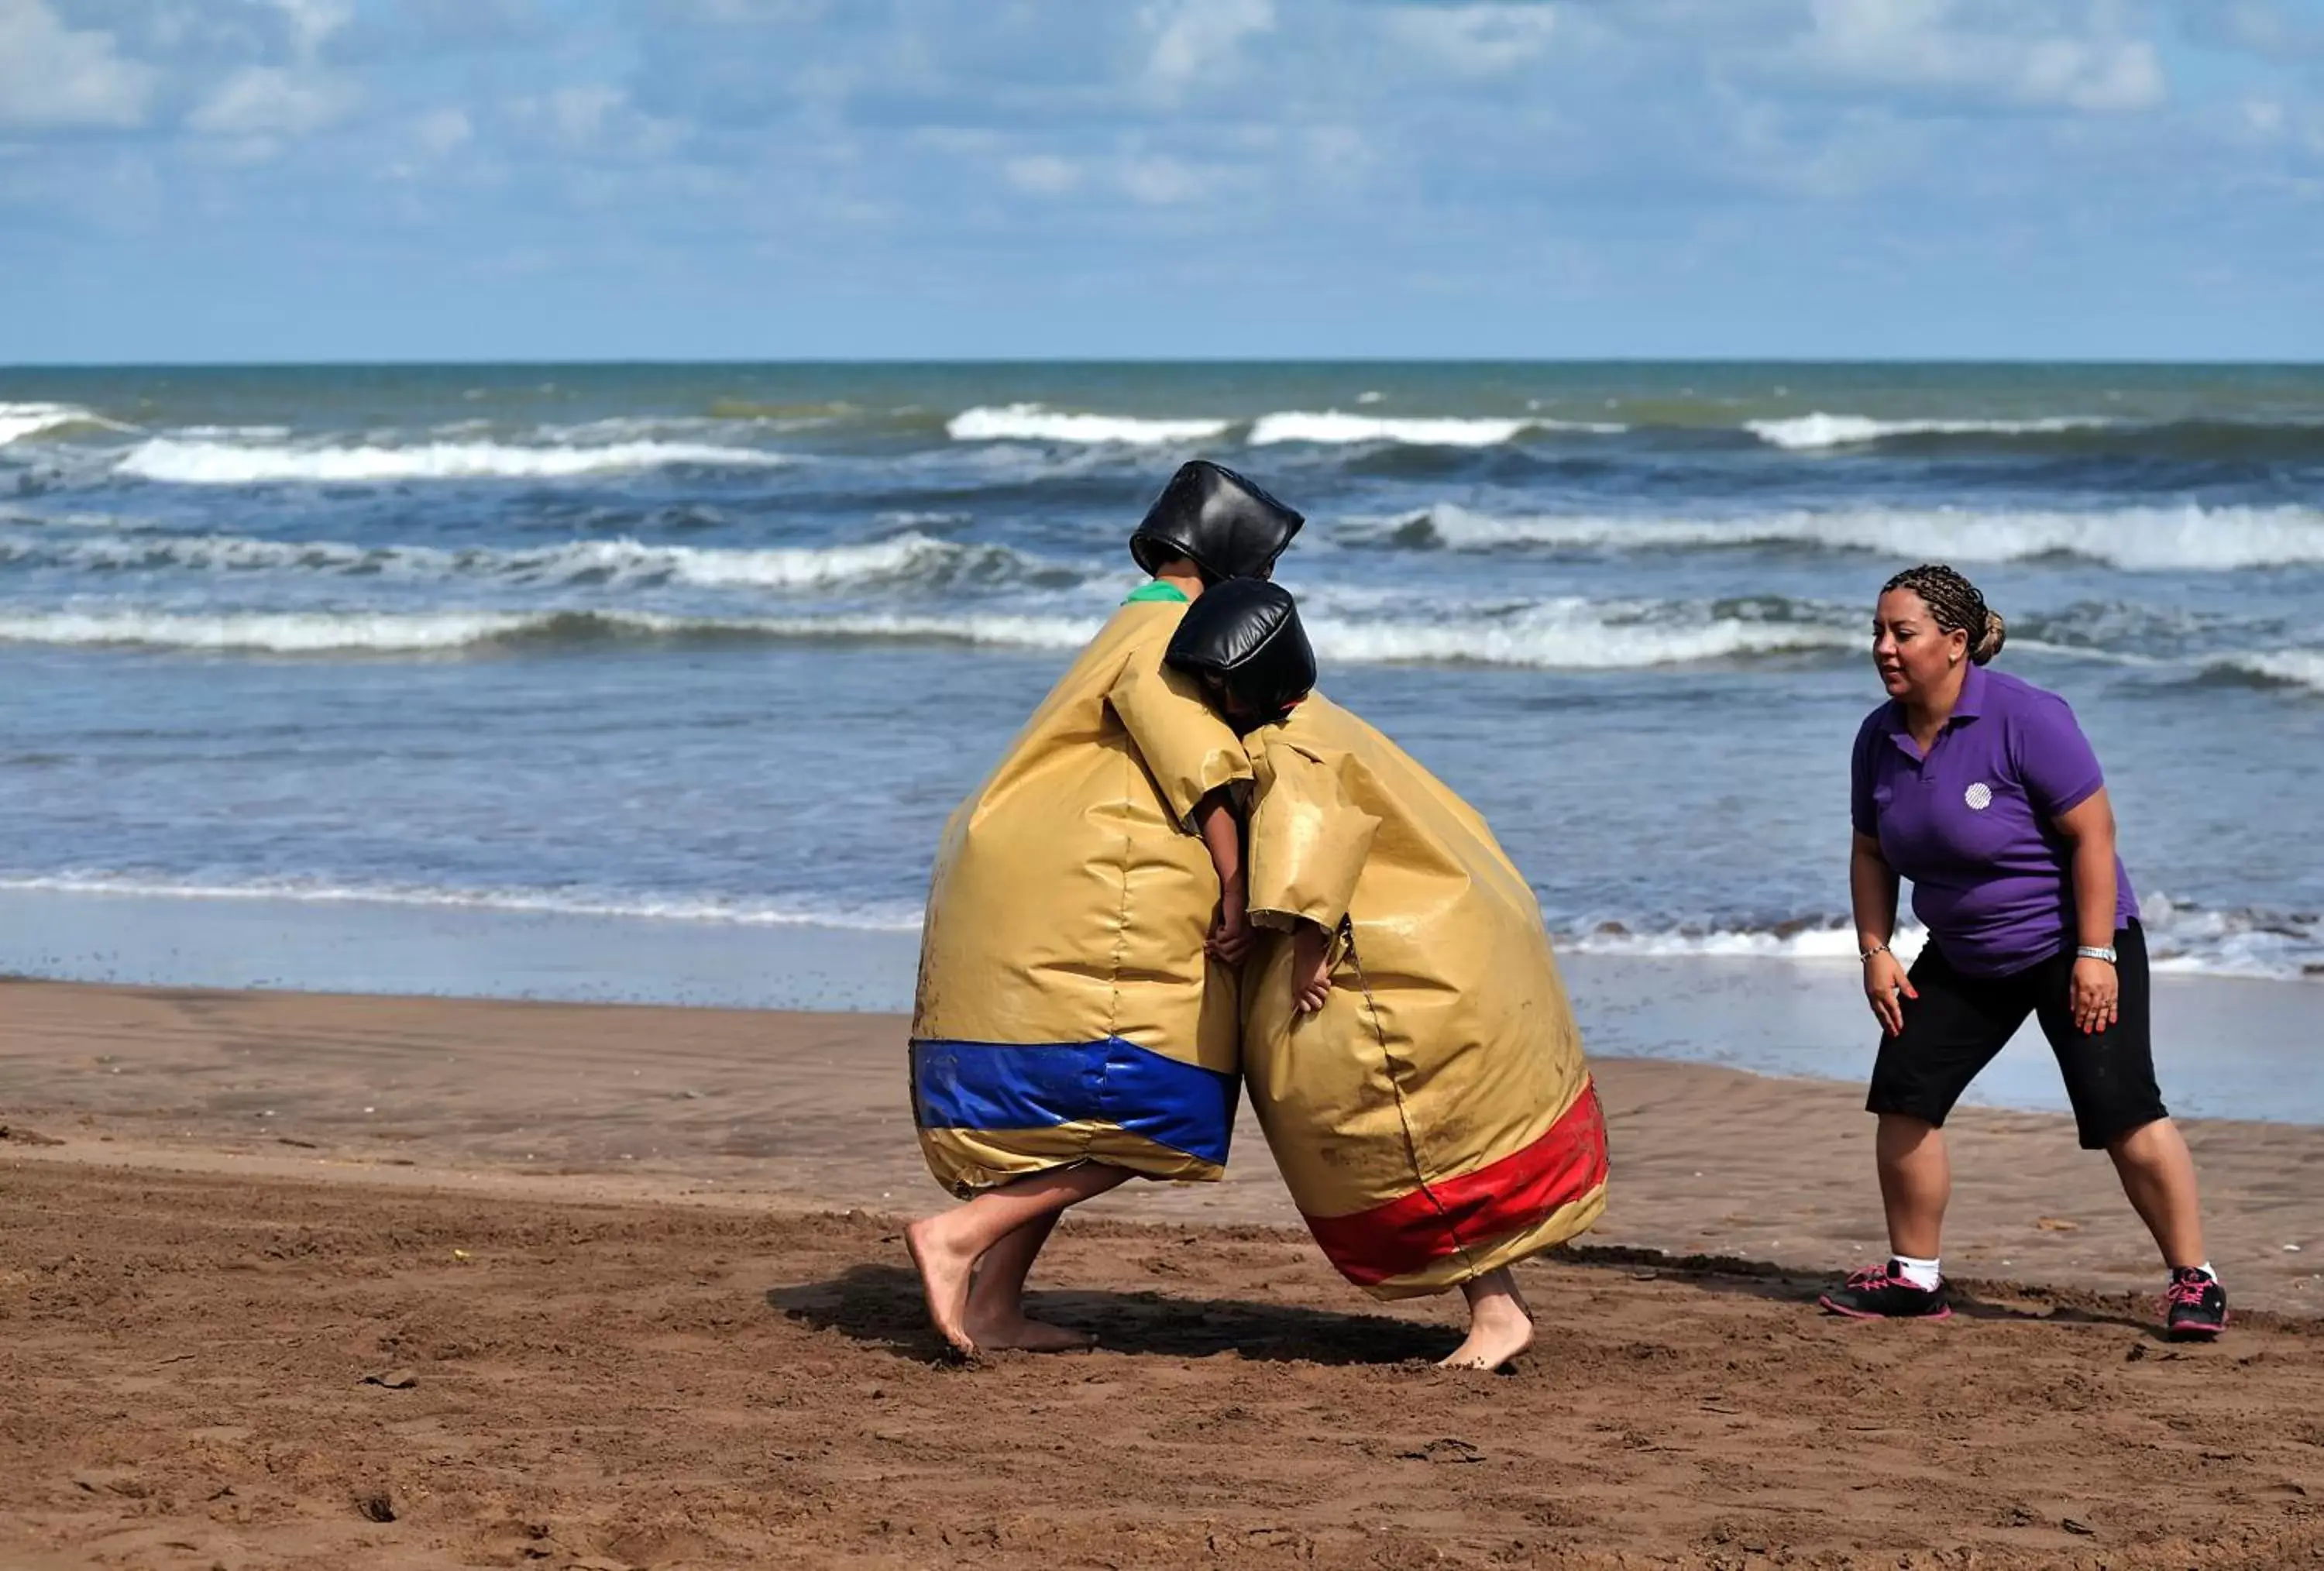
(641,1267)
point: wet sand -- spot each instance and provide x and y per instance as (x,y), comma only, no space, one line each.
(614,1249)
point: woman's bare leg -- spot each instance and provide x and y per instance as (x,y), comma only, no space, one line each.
(996,1297)
(945,1248)
(1916,1181)
(2158,1174)
(1500,1326)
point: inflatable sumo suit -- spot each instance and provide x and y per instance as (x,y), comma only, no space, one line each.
(1066,1011)
(1435,1119)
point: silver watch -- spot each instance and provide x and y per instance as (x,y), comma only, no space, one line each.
(2096,952)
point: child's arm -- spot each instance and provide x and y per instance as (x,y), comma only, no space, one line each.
(1230,936)
(1310,967)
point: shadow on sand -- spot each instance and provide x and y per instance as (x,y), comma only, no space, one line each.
(881,1304)
(1973,1300)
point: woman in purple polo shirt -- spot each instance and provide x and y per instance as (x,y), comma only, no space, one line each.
(1982,790)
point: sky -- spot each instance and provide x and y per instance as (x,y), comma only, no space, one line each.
(481,179)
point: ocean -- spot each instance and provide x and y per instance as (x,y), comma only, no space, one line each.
(717,647)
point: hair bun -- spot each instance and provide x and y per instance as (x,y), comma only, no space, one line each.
(1997,633)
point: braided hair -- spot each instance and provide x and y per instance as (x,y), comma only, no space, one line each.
(1956,607)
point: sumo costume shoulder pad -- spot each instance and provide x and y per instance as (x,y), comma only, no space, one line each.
(1243,640)
(1230,527)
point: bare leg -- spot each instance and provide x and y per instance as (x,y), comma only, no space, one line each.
(2158,1174)
(945,1248)
(1916,1180)
(1500,1326)
(996,1297)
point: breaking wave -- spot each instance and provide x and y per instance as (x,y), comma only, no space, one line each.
(1030,422)
(904,558)
(2289,668)
(388,633)
(1332,428)
(179,462)
(672,908)
(1809,432)
(2184,938)
(18,421)
(1576,635)
(2188,536)
(1565,634)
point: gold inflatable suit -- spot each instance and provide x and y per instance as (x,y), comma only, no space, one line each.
(1435,1119)
(1066,1011)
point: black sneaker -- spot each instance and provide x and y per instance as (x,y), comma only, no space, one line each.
(1881,1292)
(2194,1306)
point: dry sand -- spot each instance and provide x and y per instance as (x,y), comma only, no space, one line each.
(591,1236)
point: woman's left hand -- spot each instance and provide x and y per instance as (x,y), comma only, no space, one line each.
(2097,995)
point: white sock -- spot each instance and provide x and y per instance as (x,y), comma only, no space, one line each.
(1922,1274)
(2206,1269)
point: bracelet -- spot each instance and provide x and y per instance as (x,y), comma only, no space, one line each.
(1864,954)
(2095,951)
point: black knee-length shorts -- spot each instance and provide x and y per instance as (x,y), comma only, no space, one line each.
(1959,1023)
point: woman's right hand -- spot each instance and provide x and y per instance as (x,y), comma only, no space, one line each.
(1885,988)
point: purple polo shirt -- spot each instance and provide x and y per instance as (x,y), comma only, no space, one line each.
(1971,824)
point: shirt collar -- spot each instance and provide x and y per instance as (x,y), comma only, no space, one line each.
(1970,705)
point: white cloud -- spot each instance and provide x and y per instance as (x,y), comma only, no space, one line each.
(1195,38)
(267,101)
(314,20)
(1160,181)
(1043,174)
(579,114)
(598,117)
(442,131)
(54,77)
(1930,46)
(1482,40)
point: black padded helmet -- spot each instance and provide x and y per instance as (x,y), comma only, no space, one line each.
(1229,526)
(1243,641)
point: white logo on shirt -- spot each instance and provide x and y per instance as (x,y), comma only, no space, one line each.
(1978,796)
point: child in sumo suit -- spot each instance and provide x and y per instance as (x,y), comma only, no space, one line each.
(1407,1045)
(1076,1022)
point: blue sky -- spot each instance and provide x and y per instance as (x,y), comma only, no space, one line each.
(268,179)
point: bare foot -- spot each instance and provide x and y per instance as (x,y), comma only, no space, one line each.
(1490,1347)
(1023,1334)
(1500,1326)
(943,1270)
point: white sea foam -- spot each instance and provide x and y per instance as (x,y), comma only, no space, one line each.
(1570,635)
(18,421)
(903,557)
(1030,422)
(1817,941)
(1558,634)
(2180,939)
(386,632)
(1000,629)
(673,908)
(1333,427)
(2187,538)
(2300,668)
(277,632)
(2230,943)
(212,462)
(1808,432)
